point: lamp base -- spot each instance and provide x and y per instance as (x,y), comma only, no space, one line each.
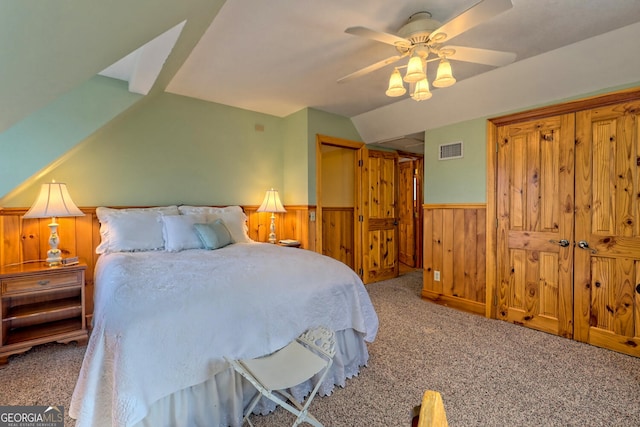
(54,257)
(272,229)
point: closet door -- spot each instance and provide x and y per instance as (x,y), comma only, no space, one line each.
(607,254)
(534,199)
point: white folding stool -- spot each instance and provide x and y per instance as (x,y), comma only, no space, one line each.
(306,356)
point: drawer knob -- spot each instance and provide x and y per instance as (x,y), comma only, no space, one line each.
(43,282)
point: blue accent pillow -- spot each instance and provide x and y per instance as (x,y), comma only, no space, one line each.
(214,235)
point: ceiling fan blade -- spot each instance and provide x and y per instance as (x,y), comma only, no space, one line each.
(475,15)
(371,68)
(378,36)
(495,58)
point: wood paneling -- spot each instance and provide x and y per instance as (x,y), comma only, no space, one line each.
(337,233)
(294,224)
(23,240)
(454,246)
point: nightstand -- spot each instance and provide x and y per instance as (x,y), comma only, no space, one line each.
(41,304)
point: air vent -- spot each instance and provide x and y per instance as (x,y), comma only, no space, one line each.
(451,151)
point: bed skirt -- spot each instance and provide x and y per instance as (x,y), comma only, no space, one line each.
(221,400)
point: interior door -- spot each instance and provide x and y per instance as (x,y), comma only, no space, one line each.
(607,255)
(407,213)
(535,224)
(376,215)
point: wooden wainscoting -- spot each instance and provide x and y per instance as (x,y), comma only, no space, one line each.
(24,240)
(294,224)
(337,233)
(454,246)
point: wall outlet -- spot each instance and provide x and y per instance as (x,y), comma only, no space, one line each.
(436,275)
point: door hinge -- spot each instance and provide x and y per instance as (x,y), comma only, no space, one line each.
(360,163)
(360,218)
(495,300)
(360,272)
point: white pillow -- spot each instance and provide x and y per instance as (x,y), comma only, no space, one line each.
(179,232)
(233,217)
(133,229)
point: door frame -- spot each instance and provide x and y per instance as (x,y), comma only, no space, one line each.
(492,164)
(334,142)
(357,145)
(419,220)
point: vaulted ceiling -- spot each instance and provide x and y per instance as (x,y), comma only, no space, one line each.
(280,56)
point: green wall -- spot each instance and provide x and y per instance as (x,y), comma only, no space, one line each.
(295,151)
(456,180)
(173,149)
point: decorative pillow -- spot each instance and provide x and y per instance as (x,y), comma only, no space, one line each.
(133,229)
(214,235)
(233,216)
(179,232)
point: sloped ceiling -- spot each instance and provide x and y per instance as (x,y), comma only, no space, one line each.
(49,47)
(280,56)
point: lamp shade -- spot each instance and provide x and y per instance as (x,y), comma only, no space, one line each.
(396,87)
(415,70)
(271,202)
(444,76)
(421,91)
(53,201)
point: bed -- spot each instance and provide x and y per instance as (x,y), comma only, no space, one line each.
(178,289)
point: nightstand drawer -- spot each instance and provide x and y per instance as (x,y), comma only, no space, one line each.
(16,285)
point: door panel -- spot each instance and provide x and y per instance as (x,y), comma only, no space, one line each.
(607,272)
(377,255)
(407,214)
(535,214)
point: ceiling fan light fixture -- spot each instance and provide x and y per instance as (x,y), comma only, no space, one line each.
(444,76)
(396,87)
(421,91)
(415,70)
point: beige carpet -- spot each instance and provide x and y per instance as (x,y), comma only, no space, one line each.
(490,373)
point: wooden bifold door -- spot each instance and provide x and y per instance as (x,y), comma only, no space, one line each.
(567,243)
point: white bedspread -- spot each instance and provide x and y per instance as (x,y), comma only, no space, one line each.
(163,321)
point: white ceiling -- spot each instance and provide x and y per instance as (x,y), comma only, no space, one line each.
(280,56)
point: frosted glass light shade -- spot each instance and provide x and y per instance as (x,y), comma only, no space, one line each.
(421,91)
(415,70)
(396,87)
(444,76)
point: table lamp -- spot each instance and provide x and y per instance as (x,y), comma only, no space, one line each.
(271,203)
(53,201)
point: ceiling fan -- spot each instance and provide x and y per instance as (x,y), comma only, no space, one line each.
(421,39)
